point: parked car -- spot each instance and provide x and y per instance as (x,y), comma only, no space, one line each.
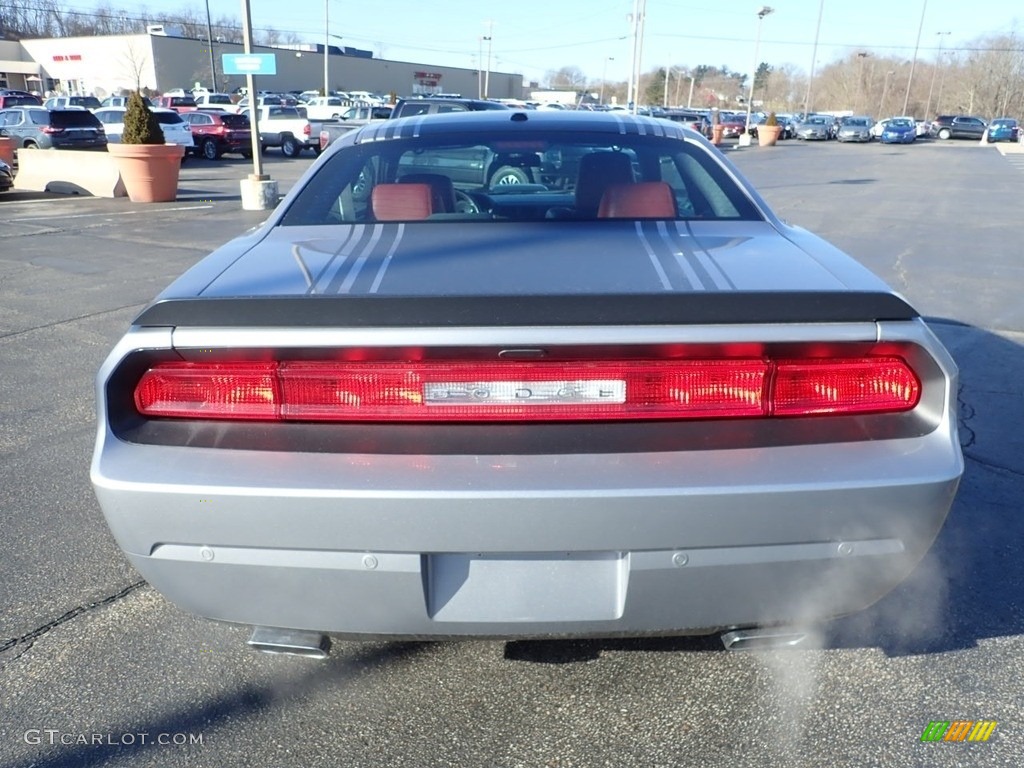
(405,407)
(353,116)
(121,101)
(6,177)
(13,98)
(438,105)
(326,107)
(815,128)
(72,102)
(957,127)
(732,125)
(214,100)
(695,121)
(173,125)
(856,128)
(41,128)
(177,103)
(899,130)
(1003,129)
(285,127)
(215,133)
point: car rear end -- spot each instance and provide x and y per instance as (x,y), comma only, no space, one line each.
(468,427)
(74,129)
(233,132)
(384,471)
(175,129)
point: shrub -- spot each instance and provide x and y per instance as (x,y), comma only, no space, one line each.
(772,120)
(140,125)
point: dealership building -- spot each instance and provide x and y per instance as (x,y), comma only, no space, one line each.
(162,60)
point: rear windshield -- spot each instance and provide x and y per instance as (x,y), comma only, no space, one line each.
(17,101)
(235,121)
(73,118)
(539,176)
(168,118)
(218,99)
(182,101)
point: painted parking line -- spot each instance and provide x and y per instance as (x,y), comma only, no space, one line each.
(112,213)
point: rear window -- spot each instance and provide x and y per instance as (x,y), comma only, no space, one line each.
(542,177)
(89,102)
(218,99)
(73,118)
(238,122)
(19,101)
(182,101)
(168,118)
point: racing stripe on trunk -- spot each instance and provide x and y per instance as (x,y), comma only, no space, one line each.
(343,286)
(655,258)
(387,259)
(353,234)
(712,278)
(329,279)
(718,274)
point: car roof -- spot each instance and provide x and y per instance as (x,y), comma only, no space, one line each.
(501,121)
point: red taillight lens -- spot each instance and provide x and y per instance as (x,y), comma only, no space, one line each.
(226,391)
(866,385)
(50,130)
(464,391)
(306,129)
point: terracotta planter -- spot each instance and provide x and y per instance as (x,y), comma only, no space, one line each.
(767,135)
(149,171)
(717,131)
(7,149)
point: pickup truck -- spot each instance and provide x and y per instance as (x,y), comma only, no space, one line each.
(285,127)
(355,116)
(325,107)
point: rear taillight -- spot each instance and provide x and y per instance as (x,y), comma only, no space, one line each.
(306,130)
(49,130)
(514,391)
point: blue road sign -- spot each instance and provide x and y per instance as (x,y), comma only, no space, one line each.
(249,63)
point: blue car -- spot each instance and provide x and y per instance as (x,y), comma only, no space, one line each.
(1003,129)
(899,131)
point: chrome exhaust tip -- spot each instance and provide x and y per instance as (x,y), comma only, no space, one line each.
(756,639)
(293,642)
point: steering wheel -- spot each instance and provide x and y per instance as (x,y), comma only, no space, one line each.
(464,203)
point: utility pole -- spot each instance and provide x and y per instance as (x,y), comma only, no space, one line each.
(765,10)
(327,48)
(604,77)
(209,39)
(938,64)
(913,64)
(814,58)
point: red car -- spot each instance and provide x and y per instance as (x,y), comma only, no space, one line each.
(215,132)
(733,125)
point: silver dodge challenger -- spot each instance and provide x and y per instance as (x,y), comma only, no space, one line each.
(618,398)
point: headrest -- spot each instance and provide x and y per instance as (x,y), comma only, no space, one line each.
(643,200)
(401,202)
(442,191)
(598,170)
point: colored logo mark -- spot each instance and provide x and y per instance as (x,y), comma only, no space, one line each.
(958,730)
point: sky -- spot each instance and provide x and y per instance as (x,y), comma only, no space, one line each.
(533,37)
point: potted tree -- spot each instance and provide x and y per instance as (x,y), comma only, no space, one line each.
(717,129)
(768,133)
(149,167)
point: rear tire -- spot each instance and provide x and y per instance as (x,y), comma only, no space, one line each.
(210,149)
(509,174)
(290,147)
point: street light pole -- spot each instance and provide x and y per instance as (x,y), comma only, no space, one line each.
(938,63)
(860,76)
(913,64)
(487,72)
(689,100)
(765,10)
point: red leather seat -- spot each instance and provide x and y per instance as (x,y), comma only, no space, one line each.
(401,202)
(643,200)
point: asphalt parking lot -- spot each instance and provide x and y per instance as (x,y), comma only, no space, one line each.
(98,669)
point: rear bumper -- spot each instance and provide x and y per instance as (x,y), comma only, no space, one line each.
(527,546)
